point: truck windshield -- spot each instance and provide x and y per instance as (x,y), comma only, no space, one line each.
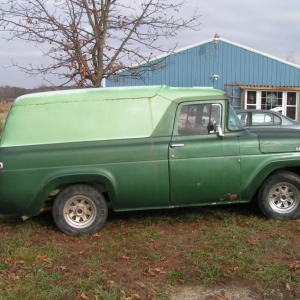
(234,122)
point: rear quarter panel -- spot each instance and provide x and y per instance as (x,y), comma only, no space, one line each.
(135,172)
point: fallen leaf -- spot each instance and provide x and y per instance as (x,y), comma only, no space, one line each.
(43,259)
(20,262)
(153,272)
(221,297)
(134,296)
(24,218)
(83,296)
(13,277)
(8,260)
(295,265)
(288,287)
(49,265)
(159,271)
(63,268)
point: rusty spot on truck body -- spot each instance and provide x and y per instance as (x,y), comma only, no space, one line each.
(233,197)
(230,196)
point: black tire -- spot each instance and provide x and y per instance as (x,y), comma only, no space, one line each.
(279,196)
(79,209)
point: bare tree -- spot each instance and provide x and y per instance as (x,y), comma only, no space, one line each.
(290,57)
(94,39)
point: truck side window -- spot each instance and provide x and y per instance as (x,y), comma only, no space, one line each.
(199,119)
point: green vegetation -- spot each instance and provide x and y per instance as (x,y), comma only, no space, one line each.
(146,254)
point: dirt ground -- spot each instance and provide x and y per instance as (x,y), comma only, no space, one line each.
(225,292)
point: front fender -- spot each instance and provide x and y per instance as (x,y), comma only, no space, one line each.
(256,176)
(52,181)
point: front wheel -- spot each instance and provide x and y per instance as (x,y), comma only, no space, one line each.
(279,196)
(79,209)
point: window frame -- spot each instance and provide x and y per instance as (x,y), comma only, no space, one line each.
(258,95)
(176,130)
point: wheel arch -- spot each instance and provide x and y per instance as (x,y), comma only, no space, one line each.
(253,184)
(279,197)
(54,181)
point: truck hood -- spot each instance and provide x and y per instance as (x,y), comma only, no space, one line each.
(278,140)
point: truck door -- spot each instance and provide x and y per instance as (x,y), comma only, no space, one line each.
(204,167)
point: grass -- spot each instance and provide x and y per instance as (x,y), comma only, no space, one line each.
(134,256)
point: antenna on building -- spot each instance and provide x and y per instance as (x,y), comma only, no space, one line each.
(216,38)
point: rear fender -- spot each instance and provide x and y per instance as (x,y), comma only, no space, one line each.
(55,180)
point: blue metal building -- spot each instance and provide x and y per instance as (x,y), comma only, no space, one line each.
(252,79)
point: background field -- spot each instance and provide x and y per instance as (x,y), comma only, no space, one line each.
(4,107)
(150,255)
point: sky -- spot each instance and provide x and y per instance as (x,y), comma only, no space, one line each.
(269,26)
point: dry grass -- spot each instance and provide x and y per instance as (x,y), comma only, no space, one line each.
(4,108)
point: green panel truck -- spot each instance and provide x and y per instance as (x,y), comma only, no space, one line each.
(138,148)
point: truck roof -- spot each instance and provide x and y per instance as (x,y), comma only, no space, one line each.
(115,93)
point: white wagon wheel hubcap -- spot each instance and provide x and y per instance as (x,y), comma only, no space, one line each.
(80,211)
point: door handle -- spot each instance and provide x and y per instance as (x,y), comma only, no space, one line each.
(176,145)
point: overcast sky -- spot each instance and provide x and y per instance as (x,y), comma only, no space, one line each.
(270,26)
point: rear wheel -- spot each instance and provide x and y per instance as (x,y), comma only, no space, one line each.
(279,196)
(79,209)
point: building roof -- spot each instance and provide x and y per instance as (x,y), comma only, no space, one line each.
(233,44)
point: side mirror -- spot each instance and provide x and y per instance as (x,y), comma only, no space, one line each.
(214,127)
(220,131)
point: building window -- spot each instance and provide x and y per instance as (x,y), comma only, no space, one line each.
(291,107)
(284,102)
(271,99)
(251,100)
